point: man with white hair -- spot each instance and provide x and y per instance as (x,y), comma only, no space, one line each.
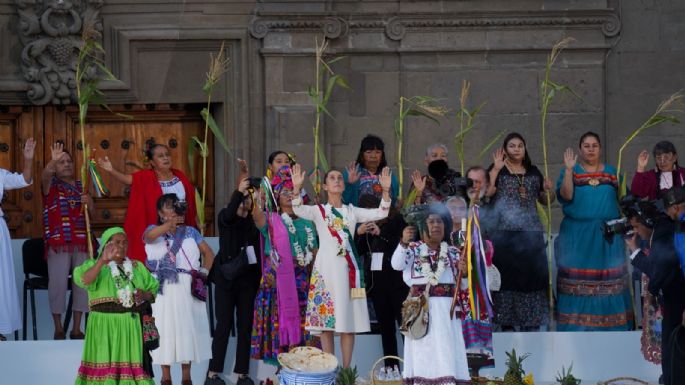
(429,190)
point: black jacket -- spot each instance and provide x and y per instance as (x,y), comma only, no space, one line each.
(386,243)
(236,232)
(662,266)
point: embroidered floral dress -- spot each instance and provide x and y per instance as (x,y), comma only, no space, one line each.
(440,356)
(592,283)
(265,339)
(330,306)
(113,349)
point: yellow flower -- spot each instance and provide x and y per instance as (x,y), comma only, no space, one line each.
(528,379)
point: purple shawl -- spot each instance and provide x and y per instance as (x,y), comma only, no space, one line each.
(289,326)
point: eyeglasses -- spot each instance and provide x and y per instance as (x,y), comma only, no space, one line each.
(663,157)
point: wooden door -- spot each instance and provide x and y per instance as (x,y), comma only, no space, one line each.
(23,207)
(123,140)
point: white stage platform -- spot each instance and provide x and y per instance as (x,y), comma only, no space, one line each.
(595,356)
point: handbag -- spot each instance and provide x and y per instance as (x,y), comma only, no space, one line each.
(198,286)
(235,266)
(415,316)
(198,281)
(149,328)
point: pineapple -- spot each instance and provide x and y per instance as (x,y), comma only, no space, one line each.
(515,372)
(566,378)
(347,376)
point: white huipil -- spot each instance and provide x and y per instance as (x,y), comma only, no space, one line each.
(9,299)
(330,306)
(181,319)
(440,356)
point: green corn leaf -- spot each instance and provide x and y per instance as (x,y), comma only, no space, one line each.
(312,92)
(416,112)
(410,198)
(191,153)
(322,160)
(334,60)
(200,205)
(329,88)
(207,116)
(542,213)
(490,144)
(340,81)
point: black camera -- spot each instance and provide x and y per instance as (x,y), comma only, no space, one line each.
(255,183)
(180,208)
(448,182)
(647,212)
(619,226)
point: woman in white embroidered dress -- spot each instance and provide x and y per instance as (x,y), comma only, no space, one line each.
(9,299)
(173,251)
(440,356)
(336,301)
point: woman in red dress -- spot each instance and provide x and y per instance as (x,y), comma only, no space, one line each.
(146,187)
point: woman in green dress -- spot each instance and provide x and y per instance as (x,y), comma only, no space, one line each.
(117,288)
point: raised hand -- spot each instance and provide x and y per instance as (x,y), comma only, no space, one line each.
(244,185)
(57,150)
(498,158)
(29,149)
(418,180)
(105,164)
(408,235)
(352,173)
(242,167)
(386,179)
(298,176)
(108,252)
(570,158)
(642,161)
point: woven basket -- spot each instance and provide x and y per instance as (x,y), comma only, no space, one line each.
(374,381)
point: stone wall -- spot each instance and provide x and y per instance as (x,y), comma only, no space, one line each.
(626,58)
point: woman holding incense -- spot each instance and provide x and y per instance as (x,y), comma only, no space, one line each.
(518,237)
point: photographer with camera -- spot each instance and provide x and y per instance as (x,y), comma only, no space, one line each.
(518,238)
(441,182)
(659,261)
(236,276)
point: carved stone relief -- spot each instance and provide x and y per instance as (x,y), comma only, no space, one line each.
(50,32)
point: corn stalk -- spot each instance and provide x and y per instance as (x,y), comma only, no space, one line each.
(218,66)
(466,119)
(320,93)
(90,70)
(425,106)
(548,90)
(663,114)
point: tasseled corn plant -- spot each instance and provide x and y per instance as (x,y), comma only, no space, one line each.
(218,66)
(320,93)
(425,106)
(90,70)
(664,113)
(548,90)
(466,119)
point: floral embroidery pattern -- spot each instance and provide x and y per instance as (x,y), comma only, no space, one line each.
(320,307)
